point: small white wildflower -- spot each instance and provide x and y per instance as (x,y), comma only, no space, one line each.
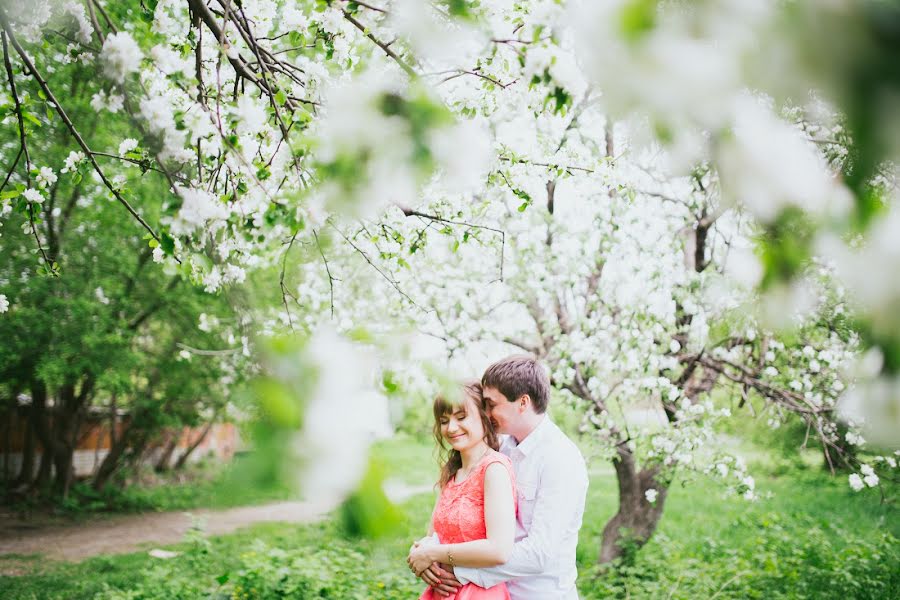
(651,495)
(722,469)
(866,470)
(4,303)
(101,297)
(749,482)
(127,145)
(158,255)
(32,195)
(871,480)
(856,482)
(771,371)
(184,355)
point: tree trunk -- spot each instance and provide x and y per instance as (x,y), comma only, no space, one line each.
(112,461)
(65,471)
(182,460)
(169,445)
(45,470)
(26,469)
(634,523)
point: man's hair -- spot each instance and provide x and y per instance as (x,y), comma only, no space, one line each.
(519,374)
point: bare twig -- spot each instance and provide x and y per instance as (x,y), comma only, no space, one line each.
(414,213)
(409,70)
(362,253)
(327,270)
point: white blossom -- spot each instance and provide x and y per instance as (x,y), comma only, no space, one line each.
(33,195)
(112,102)
(856,482)
(199,209)
(121,56)
(651,495)
(46,177)
(72,161)
(4,303)
(127,145)
(332,470)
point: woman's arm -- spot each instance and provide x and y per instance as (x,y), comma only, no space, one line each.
(500,522)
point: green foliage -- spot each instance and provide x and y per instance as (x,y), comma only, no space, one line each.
(813,539)
(368,512)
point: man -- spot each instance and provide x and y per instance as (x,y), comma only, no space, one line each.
(551,485)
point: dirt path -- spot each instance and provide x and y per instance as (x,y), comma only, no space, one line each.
(128,533)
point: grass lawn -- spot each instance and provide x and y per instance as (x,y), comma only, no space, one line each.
(814,538)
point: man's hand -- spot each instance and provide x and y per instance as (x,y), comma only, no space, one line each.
(441,579)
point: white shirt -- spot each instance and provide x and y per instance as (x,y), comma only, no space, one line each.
(551,485)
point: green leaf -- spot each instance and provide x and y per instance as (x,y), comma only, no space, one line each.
(167,243)
(31,118)
(9,194)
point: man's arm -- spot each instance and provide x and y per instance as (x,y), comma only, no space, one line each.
(560,496)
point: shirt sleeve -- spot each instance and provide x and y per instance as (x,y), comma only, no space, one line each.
(557,510)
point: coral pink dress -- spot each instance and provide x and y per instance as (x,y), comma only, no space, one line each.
(459,517)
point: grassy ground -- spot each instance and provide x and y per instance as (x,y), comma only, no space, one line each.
(813,539)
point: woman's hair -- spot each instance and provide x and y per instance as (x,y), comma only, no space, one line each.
(450,459)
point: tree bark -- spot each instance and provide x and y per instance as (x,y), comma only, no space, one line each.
(636,520)
(45,471)
(182,460)
(170,443)
(26,469)
(112,461)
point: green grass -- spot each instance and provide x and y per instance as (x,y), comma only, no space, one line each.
(814,538)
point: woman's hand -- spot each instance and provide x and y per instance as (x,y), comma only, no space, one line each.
(420,558)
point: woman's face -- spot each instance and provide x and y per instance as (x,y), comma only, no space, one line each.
(462,428)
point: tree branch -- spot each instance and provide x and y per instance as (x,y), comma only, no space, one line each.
(62,113)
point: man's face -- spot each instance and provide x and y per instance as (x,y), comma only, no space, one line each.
(503,413)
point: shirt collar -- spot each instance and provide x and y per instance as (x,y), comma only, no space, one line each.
(532,440)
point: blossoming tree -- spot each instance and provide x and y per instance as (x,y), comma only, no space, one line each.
(596,174)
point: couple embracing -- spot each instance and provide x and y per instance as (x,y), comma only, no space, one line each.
(512,493)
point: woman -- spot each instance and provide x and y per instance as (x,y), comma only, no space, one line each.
(475,514)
